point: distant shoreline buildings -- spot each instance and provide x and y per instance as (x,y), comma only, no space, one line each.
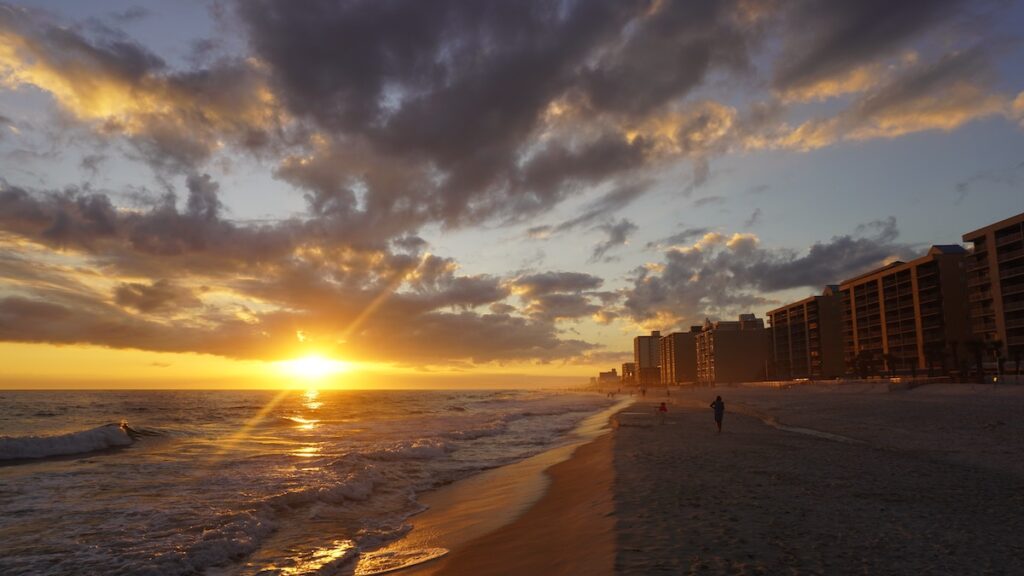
(951,312)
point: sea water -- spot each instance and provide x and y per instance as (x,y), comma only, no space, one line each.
(244,482)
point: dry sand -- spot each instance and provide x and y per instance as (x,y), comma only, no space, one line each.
(920,482)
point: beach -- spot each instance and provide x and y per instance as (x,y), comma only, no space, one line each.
(813,479)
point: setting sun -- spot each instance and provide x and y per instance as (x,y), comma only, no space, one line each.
(313,367)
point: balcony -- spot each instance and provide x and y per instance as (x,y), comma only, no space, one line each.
(1008,238)
(1011,272)
(980,295)
(1010,255)
(978,281)
(1013,306)
(982,327)
(1010,290)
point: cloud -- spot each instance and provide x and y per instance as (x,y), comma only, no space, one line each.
(618,235)
(941,95)
(153,297)
(679,238)
(709,201)
(754,219)
(722,276)
(838,42)
(174,119)
(551,282)
(244,290)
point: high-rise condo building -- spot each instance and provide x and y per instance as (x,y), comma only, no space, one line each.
(733,351)
(647,356)
(679,356)
(807,337)
(995,284)
(904,315)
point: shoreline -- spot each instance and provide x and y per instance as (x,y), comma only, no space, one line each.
(477,525)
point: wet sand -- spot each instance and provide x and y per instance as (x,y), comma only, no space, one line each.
(569,531)
(548,514)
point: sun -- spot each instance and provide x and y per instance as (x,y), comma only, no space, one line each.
(313,367)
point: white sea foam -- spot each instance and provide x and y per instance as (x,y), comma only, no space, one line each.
(421,449)
(81,442)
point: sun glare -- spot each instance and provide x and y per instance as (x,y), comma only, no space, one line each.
(312,367)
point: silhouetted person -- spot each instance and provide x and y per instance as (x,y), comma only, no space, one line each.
(662,410)
(719,407)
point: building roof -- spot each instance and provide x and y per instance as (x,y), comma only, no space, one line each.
(970,236)
(947,249)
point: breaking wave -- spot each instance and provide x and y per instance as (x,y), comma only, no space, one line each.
(81,442)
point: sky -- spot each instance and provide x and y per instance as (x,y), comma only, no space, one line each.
(485,193)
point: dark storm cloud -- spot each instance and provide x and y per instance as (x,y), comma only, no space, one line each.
(827,38)
(724,276)
(618,233)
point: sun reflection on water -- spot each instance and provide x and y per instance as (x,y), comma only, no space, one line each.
(312,402)
(308,451)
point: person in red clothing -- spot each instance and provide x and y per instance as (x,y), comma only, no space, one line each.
(662,410)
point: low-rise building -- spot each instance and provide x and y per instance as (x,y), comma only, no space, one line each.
(733,351)
(807,337)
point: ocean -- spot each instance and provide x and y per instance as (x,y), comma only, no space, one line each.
(245,482)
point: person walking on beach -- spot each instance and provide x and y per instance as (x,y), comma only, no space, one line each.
(662,410)
(719,407)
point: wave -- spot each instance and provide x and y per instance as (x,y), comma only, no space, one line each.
(81,442)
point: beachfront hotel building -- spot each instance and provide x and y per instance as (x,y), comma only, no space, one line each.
(630,373)
(679,356)
(895,317)
(995,284)
(647,357)
(807,337)
(733,351)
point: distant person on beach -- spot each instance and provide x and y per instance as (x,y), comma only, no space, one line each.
(662,410)
(719,407)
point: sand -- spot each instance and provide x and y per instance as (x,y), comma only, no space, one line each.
(907,483)
(808,480)
(569,531)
